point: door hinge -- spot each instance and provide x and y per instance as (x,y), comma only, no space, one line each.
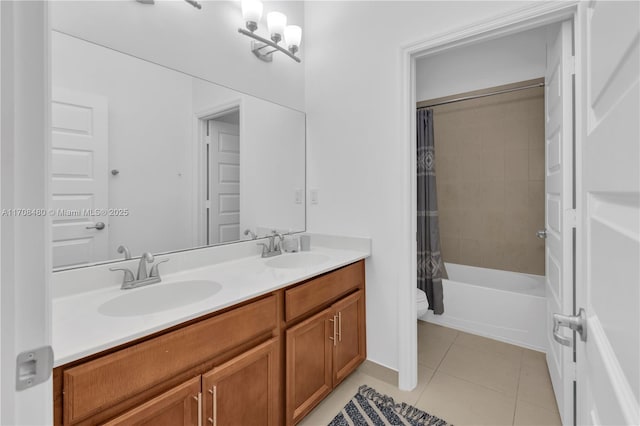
(33,367)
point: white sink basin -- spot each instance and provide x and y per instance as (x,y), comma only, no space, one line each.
(158,297)
(296,260)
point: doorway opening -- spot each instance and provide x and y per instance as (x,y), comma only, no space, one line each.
(552,153)
(219,189)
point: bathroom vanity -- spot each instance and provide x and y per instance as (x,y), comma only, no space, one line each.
(268,359)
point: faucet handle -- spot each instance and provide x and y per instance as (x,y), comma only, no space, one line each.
(128,275)
(155,273)
(124,249)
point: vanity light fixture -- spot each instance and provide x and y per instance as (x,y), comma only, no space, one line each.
(278,29)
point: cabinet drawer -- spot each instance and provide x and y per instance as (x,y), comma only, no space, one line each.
(99,384)
(323,290)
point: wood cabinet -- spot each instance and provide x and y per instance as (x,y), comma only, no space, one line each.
(236,367)
(325,348)
(309,364)
(243,391)
(179,406)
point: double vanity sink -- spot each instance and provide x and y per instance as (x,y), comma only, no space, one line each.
(220,328)
(88,320)
(173,294)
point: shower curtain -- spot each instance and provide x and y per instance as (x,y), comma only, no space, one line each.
(430,265)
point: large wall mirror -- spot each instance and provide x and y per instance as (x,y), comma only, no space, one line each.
(156,160)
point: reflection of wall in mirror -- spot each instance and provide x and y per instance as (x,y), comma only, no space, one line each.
(272,154)
(204,43)
(150,132)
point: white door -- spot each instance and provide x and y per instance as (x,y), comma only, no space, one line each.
(559,207)
(224,182)
(608,256)
(79,173)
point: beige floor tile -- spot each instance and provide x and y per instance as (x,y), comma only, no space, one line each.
(534,358)
(333,403)
(463,403)
(531,415)
(490,369)
(391,387)
(483,343)
(431,351)
(535,387)
(428,330)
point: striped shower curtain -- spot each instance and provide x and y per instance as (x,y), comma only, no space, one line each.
(430,264)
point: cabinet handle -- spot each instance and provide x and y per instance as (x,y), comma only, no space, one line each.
(335,341)
(199,399)
(340,326)
(215,405)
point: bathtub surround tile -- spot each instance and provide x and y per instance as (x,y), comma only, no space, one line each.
(493,163)
(450,249)
(535,386)
(536,163)
(531,415)
(464,403)
(499,146)
(516,165)
(485,368)
(470,252)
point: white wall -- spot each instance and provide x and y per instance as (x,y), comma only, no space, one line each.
(353,102)
(501,61)
(150,137)
(204,43)
(272,164)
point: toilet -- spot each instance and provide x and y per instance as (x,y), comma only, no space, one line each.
(421,302)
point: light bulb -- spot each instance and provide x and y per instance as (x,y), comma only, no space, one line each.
(252,12)
(276,22)
(292,37)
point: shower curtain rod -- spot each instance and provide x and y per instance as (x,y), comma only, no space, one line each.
(484,95)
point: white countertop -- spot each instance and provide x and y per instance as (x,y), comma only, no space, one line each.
(79,329)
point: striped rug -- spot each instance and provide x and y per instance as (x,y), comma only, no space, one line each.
(369,407)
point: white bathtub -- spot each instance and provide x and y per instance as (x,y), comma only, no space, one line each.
(502,305)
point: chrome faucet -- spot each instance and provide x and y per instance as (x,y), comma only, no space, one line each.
(145,258)
(124,249)
(142,278)
(273,248)
(250,232)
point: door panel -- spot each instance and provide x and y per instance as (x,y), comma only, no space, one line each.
(308,363)
(178,406)
(350,350)
(609,239)
(243,391)
(224,185)
(79,173)
(558,207)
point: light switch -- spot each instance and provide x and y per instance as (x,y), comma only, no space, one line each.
(298,196)
(314,196)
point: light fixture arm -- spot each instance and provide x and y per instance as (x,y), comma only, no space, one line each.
(268,42)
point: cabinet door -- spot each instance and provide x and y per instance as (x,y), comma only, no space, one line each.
(350,349)
(244,390)
(308,364)
(178,406)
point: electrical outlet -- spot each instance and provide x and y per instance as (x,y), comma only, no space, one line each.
(314,196)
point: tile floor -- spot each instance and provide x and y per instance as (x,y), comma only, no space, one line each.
(462,378)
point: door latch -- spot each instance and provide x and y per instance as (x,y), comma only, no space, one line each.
(577,323)
(33,367)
